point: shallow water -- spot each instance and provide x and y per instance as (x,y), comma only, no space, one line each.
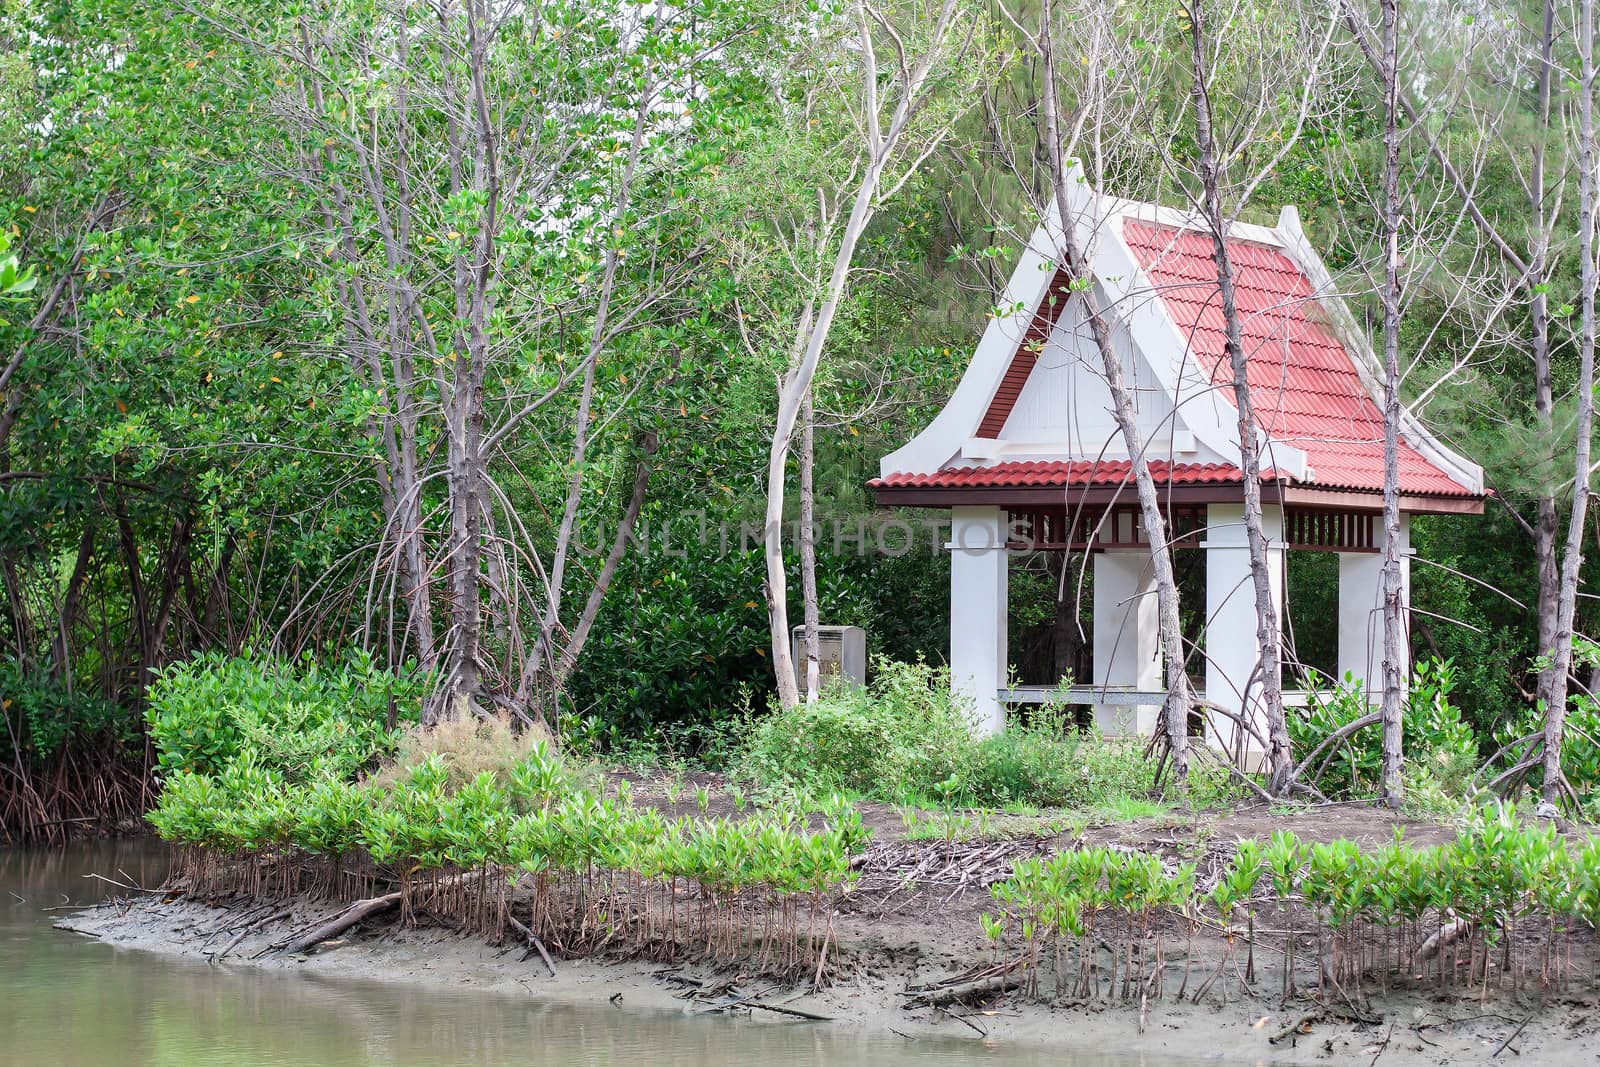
(73,1001)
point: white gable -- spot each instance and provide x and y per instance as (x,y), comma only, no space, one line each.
(1064,410)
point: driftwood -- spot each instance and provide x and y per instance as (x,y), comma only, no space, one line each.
(337,925)
(1328,1013)
(950,994)
(781,1010)
(534,943)
(247,930)
(1443,938)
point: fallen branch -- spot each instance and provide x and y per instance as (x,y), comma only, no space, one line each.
(352,915)
(1514,1034)
(1333,739)
(249,929)
(796,1012)
(534,943)
(1302,1026)
(1000,983)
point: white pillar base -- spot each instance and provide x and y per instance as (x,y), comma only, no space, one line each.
(1127,646)
(978,612)
(1231,656)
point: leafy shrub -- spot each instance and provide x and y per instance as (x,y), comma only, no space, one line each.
(1032,762)
(908,738)
(1436,738)
(43,716)
(1497,872)
(1580,741)
(526,818)
(901,736)
(1048,762)
(301,720)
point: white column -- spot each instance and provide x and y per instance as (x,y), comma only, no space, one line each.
(1231,616)
(1127,646)
(978,611)
(1361,611)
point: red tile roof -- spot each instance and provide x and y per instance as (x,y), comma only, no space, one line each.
(1303,384)
(1060,473)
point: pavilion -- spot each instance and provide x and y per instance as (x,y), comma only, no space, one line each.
(1027,457)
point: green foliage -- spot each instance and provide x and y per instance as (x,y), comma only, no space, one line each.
(301,721)
(1437,741)
(1046,761)
(901,736)
(1496,872)
(907,738)
(1580,741)
(15,280)
(529,819)
(43,716)
(211,265)
(683,628)
(1043,761)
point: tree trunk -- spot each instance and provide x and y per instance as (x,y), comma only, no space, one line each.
(138,605)
(568,660)
(1175,711)
(882,142)
(1390,578)
(1269,657)
(464,649)
(1577,521)
(1547,565)
(808,548)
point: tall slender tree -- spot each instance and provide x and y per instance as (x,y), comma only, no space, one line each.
(1391,584)
(1555,785)
(1077,257)
(900,117)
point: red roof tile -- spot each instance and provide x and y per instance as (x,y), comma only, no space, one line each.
(1303,384)
(1054,473)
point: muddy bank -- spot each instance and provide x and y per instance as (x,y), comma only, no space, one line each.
(877,963)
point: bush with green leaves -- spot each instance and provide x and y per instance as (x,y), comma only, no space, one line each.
(1502,888)
(42,716)
(1580,739)
(1039,761)
(907,738)
(904,735)
(1047,761)
(597,870)
(1439,744)
(304,720)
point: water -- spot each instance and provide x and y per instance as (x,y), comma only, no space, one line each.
(73,1001)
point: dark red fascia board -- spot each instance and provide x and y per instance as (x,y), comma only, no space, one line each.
(1227,493)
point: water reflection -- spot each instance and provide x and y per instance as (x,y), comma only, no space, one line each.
(72,1001)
